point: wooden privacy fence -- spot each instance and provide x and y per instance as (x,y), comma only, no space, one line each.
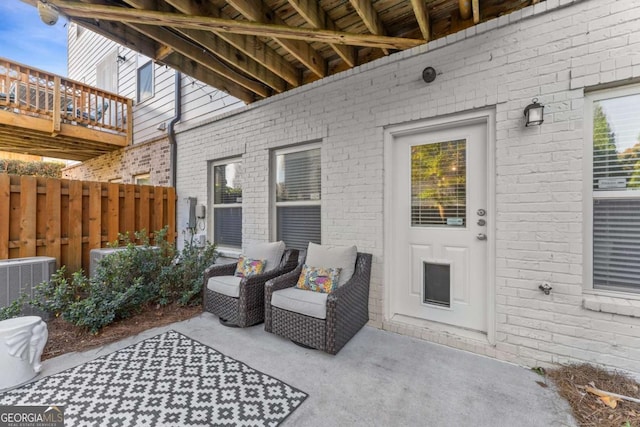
(65,219)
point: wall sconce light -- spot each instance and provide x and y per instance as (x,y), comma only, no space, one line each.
(121,59)
(162,126)
(534,113)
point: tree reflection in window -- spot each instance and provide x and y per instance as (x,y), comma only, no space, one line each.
(438,184)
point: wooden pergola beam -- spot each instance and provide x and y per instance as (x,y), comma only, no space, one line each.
(222,50)
(186,47)
(315,16)
(422,16)
(251,46)
(370,17)
(155,18)
(475,7)
(302,51)
(123,35)
(195,53)
(235,57)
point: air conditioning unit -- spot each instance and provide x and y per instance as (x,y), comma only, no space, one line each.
(21,275)
(95,255)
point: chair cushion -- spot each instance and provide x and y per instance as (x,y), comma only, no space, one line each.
(247,267)
(318,279)
(334,257)
(271,252)
(225,285)
(300,301)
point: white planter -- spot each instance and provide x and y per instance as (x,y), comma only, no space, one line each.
(22,340)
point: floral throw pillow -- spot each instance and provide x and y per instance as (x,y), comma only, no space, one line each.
(318,279)
(248,267)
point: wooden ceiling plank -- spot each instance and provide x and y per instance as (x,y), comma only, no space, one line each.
(154,18)
(226,51)
(257,11)
(195,53)
(236,58)
(422,16)
(475,7)
(370,17)
(249,45)
(315,16)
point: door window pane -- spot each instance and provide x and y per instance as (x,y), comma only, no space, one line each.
(438,184)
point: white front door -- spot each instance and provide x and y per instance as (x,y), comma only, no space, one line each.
(439,225)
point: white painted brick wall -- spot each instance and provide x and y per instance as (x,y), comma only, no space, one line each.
(551,51)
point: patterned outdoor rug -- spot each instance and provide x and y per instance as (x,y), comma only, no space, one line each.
(167,380)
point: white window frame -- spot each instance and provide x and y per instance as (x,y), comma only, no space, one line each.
(274,170)
(590,195)
(227,250)
(141,64)
(145,176)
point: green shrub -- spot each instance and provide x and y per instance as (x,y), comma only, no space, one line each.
(182,280)
(59,294)
(126,280)
(14,309)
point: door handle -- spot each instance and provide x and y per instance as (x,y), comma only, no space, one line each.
(481,236)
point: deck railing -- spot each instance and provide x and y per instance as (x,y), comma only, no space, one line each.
(27,90)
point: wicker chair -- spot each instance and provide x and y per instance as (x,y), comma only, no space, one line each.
(347,311)
(248,308)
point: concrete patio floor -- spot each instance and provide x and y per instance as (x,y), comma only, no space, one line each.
(378,379)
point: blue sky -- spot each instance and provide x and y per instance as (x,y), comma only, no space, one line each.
(26,39)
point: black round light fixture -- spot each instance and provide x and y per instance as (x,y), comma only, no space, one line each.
(429,74)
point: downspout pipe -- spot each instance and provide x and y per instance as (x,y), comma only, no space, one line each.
(171,132)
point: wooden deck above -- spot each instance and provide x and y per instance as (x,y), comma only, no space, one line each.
(47,115)
(252,49)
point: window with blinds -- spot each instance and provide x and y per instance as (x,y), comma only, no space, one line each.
(297,197)
(227,204)
(616,199)
(439,184)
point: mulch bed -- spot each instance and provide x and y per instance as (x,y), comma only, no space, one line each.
(588,409)
(66,338)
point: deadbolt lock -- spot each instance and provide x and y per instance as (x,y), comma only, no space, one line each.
(481,212)
(482,222)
